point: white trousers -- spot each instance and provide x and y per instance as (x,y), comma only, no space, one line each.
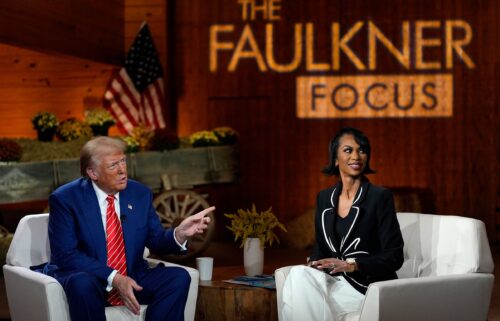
(312,295)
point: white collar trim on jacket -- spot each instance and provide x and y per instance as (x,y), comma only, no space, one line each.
(356,241)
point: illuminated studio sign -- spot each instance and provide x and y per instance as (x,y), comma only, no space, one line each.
(425,90)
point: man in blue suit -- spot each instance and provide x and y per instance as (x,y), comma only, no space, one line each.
(77,232)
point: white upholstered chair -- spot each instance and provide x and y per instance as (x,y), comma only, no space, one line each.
(447,274)
(36,296)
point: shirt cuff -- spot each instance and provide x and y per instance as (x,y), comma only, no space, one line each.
(110,280)
(183,245)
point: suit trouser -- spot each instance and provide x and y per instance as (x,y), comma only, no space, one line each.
(312,295)
(165,291)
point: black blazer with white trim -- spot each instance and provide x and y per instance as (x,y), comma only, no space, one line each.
(374,238)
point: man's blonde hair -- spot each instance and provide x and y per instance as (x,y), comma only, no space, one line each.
(93,151)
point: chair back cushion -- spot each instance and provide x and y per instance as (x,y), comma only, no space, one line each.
(442,245)
(30,244)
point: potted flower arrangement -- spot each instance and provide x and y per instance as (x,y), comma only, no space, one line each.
(164,139)
(46,125)
(132,144)
(226,135)
(100,120)
(216,137)
(10,150)
(203,138)
(72,129)
(139,140)
(255,229)
(143,135)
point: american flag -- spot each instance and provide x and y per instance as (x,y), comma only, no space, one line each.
(135,95)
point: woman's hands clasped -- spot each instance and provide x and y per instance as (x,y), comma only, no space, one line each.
(333,265)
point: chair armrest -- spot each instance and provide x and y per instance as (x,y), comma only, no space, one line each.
(460,297)
(190,309)
(43,300)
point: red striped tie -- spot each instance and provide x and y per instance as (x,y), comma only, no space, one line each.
(115,247)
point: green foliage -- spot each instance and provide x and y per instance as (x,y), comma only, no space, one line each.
(45,121)
(99,117)
(250,223)
(140,140)
(226,135)
(10,150)
(34,151)
(216,137)
(77,133)
(143,136)
(72,129)
(203,138)
(132,144)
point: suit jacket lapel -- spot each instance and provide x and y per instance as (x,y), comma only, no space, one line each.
(126,213)
(331,219)
(356,211)
(93,218)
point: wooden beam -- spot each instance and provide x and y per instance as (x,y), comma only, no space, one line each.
(87,29)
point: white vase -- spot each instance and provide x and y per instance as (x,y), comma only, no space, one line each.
(253,257)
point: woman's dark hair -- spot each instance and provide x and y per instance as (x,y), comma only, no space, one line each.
(360,138)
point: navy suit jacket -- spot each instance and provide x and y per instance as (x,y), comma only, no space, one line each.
(77,237)
(374,237)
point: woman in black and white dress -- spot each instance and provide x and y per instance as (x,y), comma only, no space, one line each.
(358,239)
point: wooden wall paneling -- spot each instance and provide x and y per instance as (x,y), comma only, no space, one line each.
(50,79)
(481,116)
(64,27)
(155,16)
(40,62)
(489,11)
(282,155)
(53,79)
(33,81)
(444,156)
(139,13)
(157,29)
(153,12)
(250,117)
(20,104)
(139,3)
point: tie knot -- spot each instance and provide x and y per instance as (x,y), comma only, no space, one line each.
(110,198)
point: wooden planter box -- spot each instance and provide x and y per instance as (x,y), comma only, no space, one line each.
(181,168)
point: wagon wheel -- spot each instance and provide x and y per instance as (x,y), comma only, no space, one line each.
(174,206)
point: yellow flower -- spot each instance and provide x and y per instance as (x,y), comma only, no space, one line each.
(132,144)
(99,117)
(226,135)
(44,121)
(143,136)
(250,223)
(72,129)
(203,138)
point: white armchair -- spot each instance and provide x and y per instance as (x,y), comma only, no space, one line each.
(447,274)
(36,296)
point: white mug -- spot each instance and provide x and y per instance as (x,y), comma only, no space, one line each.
(205,266)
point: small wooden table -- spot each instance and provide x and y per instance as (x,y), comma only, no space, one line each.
(221,301)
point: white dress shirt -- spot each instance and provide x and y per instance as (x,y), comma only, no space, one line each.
(103,205)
